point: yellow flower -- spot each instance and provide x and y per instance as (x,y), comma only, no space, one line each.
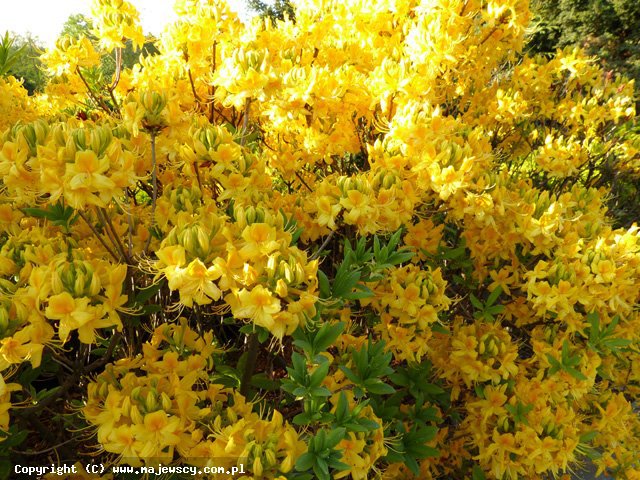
(158,431)
(259,305)
(196,283)
(85,182)
(78,314)
(260,239)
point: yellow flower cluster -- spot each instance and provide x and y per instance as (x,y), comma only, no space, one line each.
(83,165)
(220,178)
(14,103)
(409,301)
(161,406)
(116,20)
(249,261)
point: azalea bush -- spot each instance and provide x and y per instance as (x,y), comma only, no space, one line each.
(372,242)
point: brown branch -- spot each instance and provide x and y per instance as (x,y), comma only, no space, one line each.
(324,244)
(197,170)
(98,236)
(303,182)
(116,80)
(104,359)
(99,102)
(115,238)
(212,109)
(154,181)
(193,88)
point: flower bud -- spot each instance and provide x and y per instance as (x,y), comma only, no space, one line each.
(151,402)
(135,415)
(257,467)
(166,402)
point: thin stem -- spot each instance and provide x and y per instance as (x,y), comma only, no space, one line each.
(250,365)
(130,235)
(118,70)
(104,359)
(193,88)
(99,237)
(245,121)
(97,101)
(197,170)
(324,244)
(303,182)
(116,237)
(212,109)
(116,80)
(46,450)
(154,181)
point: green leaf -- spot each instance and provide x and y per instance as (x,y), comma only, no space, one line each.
(335,436)
(575,373)
(321,469)
(345,283)
(616,343)
(432,389)
(555,364)
(319,374)
(399,379)
(263,382)
(588,436)
(326,336)
(36,212)
(349,374)
(342,408)
(494,296)
(477,474)
(476,303)
(145,294)
(438,328)
(323,283)
(565,351)
(377,387)
(302,419)
(305,462)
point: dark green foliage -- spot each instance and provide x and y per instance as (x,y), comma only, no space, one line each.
(609,29)
(20,57)
(277,10)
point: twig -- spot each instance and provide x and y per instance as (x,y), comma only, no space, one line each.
(303,182)
(250,365)
(324,244)
(212,109)
(98,101)
(130,229)
(154,181)
(197,170)
(245,121)
(49,449)
(118,69)
(99,237)
(116,237)
(193,88)
(102,361)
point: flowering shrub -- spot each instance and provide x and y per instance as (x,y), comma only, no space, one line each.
(373,242)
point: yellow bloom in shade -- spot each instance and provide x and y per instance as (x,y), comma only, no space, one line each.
(78,314)
(5,404)
(158,431)
(259,305)
(172,255)
(260,239)
(328,209)
(17,349)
